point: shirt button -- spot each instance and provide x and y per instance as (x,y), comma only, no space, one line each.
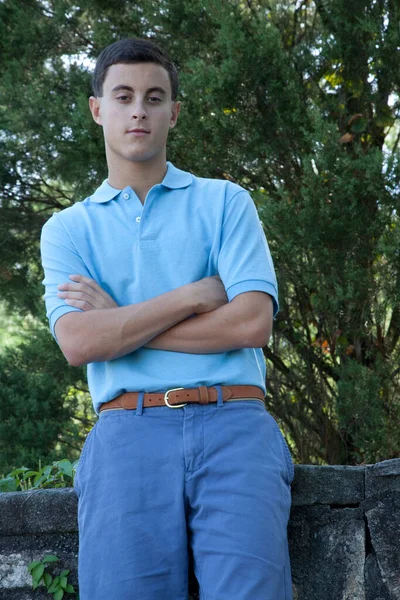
(137,219)
(125,196)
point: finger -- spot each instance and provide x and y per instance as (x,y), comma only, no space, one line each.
(86,281)
(83,279)
(74,288)
(75,295)
(79,304)
(78,277)
(96,303)
(91,283)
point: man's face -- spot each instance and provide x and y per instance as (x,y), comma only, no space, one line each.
(135,111)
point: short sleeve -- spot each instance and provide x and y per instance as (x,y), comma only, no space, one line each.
(244,261)
(59,260)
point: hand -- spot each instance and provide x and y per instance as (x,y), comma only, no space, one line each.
(209,294)
(85,294)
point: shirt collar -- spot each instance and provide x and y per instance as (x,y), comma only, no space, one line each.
(173,179)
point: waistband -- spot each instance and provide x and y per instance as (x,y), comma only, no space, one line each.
(179,397)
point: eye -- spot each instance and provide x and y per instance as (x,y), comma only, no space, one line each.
(123,98)
(154,99)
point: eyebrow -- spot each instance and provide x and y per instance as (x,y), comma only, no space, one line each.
(128,88)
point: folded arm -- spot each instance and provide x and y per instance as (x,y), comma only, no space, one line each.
(246,322)
(104,331)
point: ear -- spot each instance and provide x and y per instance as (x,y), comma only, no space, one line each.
(176,108)
(94,105)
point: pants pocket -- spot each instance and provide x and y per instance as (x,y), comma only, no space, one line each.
(82,458)
(286,451)
(288,458)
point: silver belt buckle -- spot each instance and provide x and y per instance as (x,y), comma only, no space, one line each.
(173,405)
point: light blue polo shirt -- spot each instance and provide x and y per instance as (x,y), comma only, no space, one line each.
(188,228)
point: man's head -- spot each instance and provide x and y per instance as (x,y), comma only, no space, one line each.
(130,51)
(135,87)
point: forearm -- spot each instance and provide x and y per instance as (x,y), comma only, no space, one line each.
(105,334)
(239,324)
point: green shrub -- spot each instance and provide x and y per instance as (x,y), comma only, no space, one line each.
(60,473)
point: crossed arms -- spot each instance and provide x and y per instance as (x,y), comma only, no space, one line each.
(195,318)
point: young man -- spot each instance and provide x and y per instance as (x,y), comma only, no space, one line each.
(162,283)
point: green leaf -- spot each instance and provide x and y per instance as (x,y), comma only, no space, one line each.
(65,467)
(8,484)
(64,573)
(18,471)
(38,480)
(47,579)
(29,474)
(54,587)
(49,558)
(37,572)
(33,564)
(70,589)
(63,582)
(58,594)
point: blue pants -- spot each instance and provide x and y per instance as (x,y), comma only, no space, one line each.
(153,481)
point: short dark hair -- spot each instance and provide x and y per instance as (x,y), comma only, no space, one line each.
(132,50)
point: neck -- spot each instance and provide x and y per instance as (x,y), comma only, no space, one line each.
(140,176)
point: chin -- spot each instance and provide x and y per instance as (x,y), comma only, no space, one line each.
(141,157)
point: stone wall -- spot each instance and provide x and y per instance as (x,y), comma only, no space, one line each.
(344,534)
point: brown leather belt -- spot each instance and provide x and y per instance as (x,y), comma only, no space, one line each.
(179,397)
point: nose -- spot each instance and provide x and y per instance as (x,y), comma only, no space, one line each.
(139,111)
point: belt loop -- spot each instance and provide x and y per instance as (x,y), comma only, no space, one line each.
(220,402)
(139,407)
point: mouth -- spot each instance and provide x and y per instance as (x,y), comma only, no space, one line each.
(139,132)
